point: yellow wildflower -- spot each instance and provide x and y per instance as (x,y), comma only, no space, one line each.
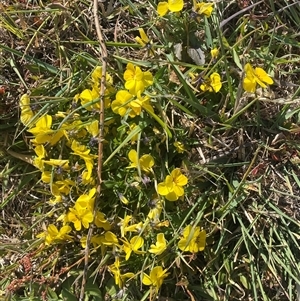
(115,270)
(145,162)
(172,187)
(214,53)
(125,227)
(213,84)
(144,41)
(91,95)
(134,245)
(203,8)
(82,212)
(160,246)
(43,133)
(172,6)
(53,235)
(255,76)
(101,222)
(39,160)
(179,147)
(136,80)
(193,240)
(156,277)
(83,152)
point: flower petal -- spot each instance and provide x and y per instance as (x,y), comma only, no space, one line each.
(263,76)
(162,189)
(146,280)
(175,5)
(249,85)
(162,8)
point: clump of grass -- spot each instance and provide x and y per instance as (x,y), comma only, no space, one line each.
(178,180)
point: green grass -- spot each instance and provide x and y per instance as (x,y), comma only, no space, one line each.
(241,152)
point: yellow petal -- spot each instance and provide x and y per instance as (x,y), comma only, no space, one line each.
(201,240)
(146,162)
(133,157)
(216,81)
(172,196)
(204,8)
(263,76)
(123,199)
(249,85)
(93,128)
(162,189)
(136,242)
(162,8)
(178,177)
(52,230)
(249,70)
(143,35)
(175,5)
(140,41)
(214,52)
(179,191)
(205,87)
(146,280)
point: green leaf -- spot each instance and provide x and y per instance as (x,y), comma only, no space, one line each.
(67,296)
(92,289)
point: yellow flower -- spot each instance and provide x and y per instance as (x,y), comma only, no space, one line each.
(214,53)
(213,84)
(156,277)
(144,41)
(96,240)
(90,95)
(255,76)
(132,126)
(138,103)
(87,200)
(121,104)
(82,212)
(46,176)
(125,227)
(86,175)
(179,147)
(26,112)
(155,211)
(84,153)
(124,224)
(93,128)
(172,6)
(203,8)
(134,245)
(52,234)
(64,186)
(115,270)
(172,187)
(127,103)
(58,188)
(109,239)
(145,162)
(64,164)
(43,133)
(193,240)
(136,80)
(80,217)
(101,222)
(39,160)
(160,246)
